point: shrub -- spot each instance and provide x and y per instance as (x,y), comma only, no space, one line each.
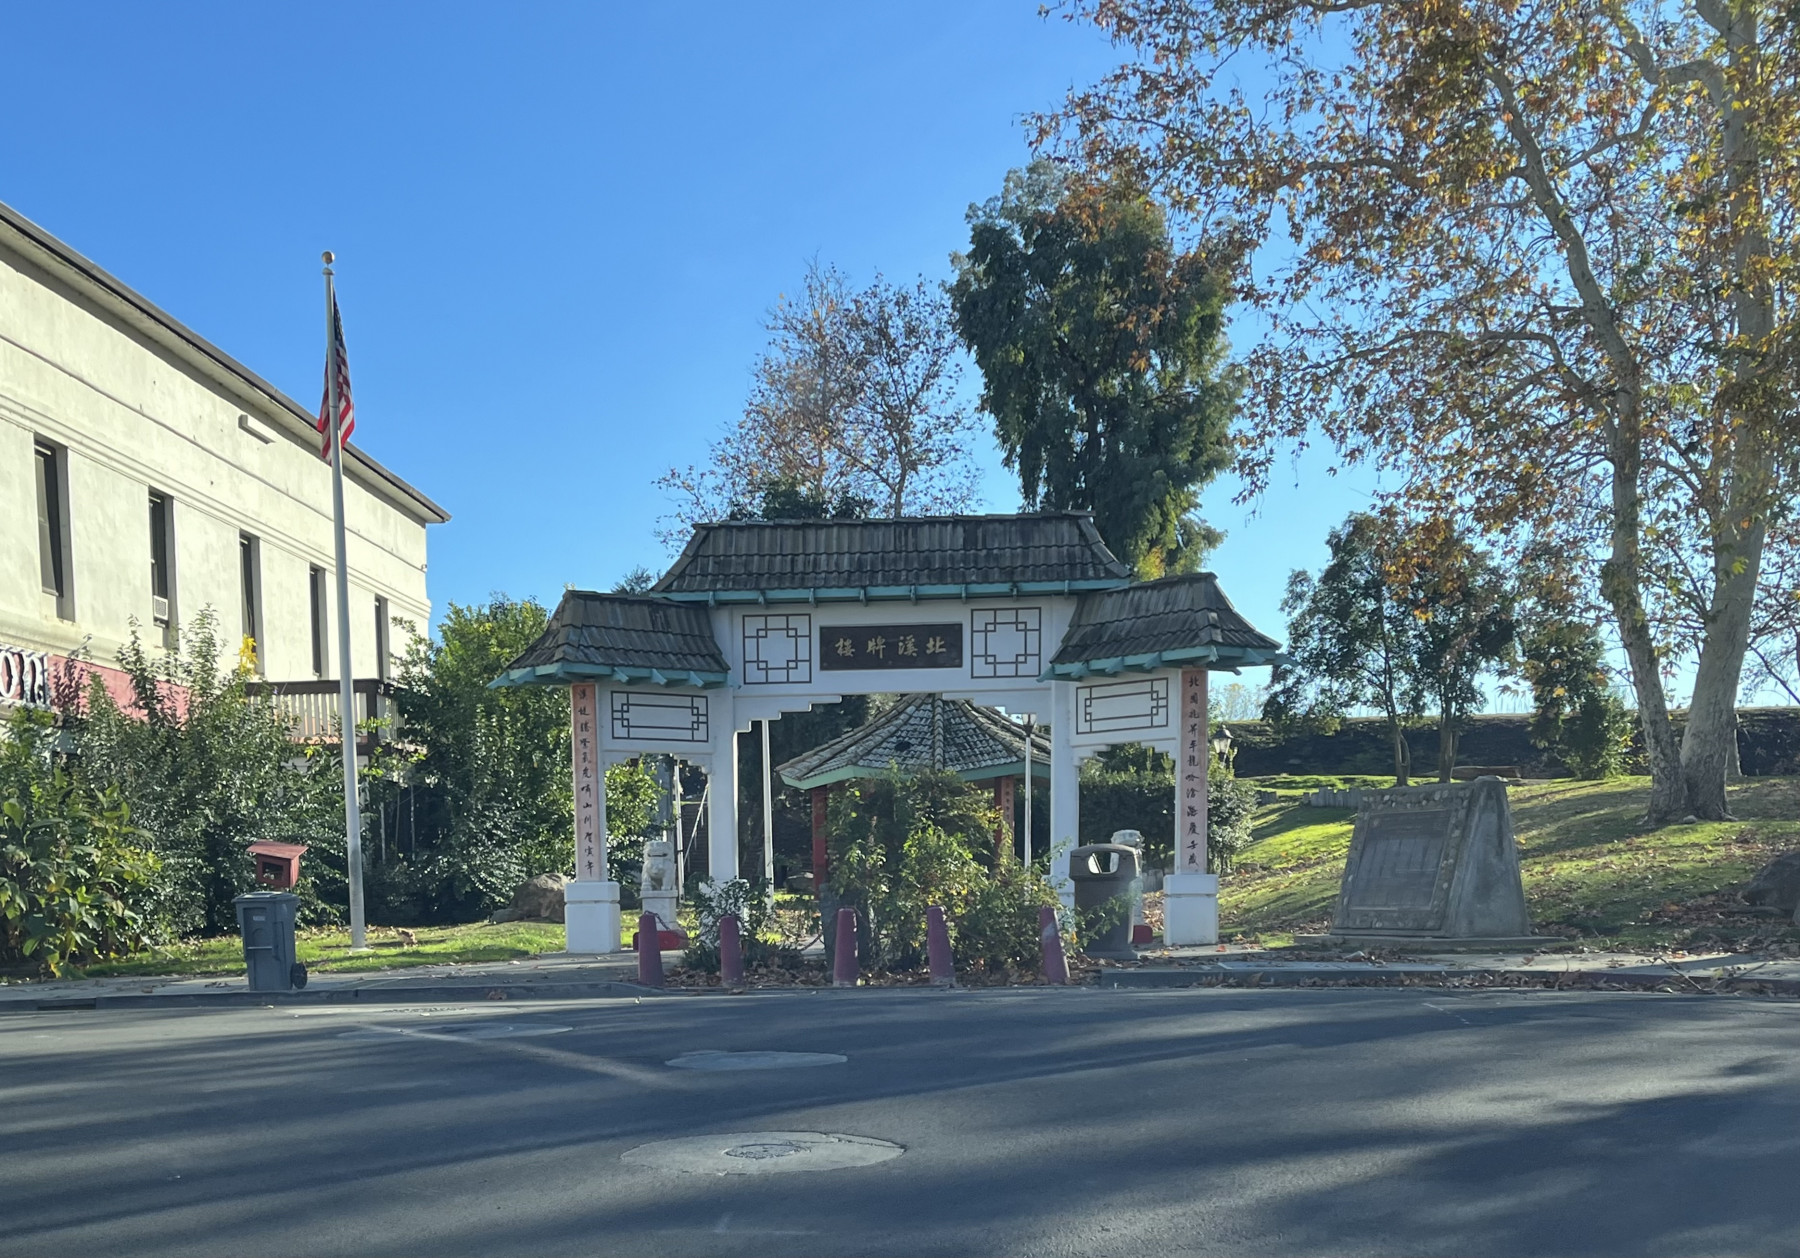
(905,844)
(996,927)
(754,908)
(491,803)
(207,770)
(1230,804)
(75,880)
(1577,717)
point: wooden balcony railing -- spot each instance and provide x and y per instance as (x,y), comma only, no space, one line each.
(312,709)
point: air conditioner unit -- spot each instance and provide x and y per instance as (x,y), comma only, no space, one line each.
(159,609)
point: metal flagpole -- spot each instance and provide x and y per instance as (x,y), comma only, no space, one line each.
(346,689)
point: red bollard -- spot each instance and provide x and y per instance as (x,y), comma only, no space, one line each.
(649,948)
(937,947)
(843,960)
(1056,967)
(731,951)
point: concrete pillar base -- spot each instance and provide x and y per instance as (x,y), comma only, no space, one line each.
(591,917)
(1190,910)
(663,904)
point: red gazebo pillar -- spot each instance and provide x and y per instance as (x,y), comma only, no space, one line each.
(1005,794)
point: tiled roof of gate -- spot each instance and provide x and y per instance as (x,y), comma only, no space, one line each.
(921,732)
(623,637)
(1174,622)
(922,557)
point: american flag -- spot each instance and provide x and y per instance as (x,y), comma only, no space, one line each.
(338,361)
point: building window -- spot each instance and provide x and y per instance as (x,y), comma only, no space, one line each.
(53,525)
(316,579)
(381,638)
(162,565)
(250,580)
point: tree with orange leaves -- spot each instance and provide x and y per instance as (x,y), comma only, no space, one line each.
(1537,257)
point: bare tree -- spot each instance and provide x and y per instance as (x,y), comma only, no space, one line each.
(855,398)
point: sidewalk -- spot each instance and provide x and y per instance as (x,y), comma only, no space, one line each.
(559,976)
(554,976)
(1251,967)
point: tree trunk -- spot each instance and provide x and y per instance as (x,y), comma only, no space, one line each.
(1709,743)
(1402,753)
(1740,528)
(1621,579)
(1447,739)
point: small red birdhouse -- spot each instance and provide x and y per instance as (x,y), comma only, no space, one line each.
(277,864)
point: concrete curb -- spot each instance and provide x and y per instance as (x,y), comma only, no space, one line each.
(337,996)
(1534,980)
(1115,980)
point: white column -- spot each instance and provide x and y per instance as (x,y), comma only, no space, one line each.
(591,902)
(721,816)
(1065,788)
(768,812)
(1191,894)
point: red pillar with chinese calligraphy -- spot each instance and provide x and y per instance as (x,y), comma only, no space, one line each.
(1005,796)
(1191,806)
(590,784)
(821,797)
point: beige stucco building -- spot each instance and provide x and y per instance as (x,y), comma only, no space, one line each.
(145,474)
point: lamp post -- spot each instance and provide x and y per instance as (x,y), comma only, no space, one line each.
(1223,747)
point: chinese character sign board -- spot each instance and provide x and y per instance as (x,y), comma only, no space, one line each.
(590,784)
(1190,809)
(888,647)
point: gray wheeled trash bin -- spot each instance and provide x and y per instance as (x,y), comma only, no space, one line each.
(266,922)
(1102,872)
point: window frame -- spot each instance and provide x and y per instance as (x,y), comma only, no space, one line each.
(250,610)
(315,579)
(56,560)
(381,638)
(162,562)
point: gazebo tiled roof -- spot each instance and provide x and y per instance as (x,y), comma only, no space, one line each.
(928,557)
(1176,622)
(922,732)
(623,637)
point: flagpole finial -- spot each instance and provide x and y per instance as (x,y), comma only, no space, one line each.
(329,258)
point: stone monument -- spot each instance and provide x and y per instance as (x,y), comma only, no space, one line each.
(658,890)
(1432,866)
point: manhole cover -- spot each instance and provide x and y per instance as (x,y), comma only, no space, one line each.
(713,1060)
(762,1153)
(455,1030)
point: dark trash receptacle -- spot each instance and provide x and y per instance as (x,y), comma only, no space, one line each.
(1102,872)
(266,922)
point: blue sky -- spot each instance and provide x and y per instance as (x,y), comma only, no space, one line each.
(558,227)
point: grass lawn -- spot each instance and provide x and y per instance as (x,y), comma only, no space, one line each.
(327,951)
(1592,872)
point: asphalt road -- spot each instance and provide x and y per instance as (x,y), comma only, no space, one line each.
(1033,1122)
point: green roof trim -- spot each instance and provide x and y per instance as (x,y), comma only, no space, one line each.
(1217,659)
(894,593)
(568,673)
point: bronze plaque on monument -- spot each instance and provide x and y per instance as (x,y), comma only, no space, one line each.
(1433,862)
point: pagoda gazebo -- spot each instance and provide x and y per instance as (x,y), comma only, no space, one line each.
(919,733)
(1031,614)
